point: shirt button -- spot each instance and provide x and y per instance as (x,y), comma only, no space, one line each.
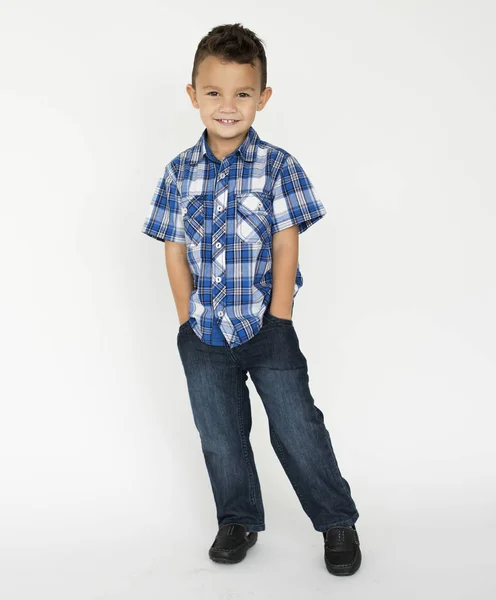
(220,313)
(222,175)
(219,208)
(218,245)
(185,210)
(217,279)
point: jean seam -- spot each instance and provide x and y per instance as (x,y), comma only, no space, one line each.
(280,453)
(334,464)
(251,477)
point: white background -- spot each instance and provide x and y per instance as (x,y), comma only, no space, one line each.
(390,108)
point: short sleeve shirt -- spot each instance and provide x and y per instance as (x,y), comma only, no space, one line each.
(226,212)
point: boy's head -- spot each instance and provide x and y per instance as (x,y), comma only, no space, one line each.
(229,80)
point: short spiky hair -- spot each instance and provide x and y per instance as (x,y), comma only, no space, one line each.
(232,43)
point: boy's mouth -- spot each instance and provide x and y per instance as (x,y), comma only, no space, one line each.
(227,121)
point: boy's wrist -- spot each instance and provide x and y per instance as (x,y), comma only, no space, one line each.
(183,318)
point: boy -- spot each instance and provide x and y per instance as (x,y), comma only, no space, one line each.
(229,210)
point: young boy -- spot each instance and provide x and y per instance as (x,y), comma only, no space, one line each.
(230,209)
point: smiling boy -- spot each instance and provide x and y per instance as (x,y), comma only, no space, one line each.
(230,210)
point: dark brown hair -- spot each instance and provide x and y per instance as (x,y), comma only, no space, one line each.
(232,43)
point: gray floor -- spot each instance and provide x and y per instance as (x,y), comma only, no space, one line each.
(404,557)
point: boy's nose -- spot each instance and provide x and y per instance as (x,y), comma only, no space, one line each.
(228,106)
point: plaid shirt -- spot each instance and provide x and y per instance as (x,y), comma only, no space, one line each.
(226,214)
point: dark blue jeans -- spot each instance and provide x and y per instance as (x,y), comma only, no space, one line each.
(216,379)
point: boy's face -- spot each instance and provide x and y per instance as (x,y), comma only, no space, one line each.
(227,90)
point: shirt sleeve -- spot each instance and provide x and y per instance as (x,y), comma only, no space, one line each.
(295,201)
(165,219)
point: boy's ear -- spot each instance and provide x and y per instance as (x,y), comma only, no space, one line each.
(264,98)
(192,95)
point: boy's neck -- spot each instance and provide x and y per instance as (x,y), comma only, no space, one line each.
(221,148)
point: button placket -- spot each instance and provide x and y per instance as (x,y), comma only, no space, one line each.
(219,227)
(218,254)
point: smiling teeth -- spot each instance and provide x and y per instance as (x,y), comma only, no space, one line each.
(228,120)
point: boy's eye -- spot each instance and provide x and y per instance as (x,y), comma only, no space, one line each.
(241,93)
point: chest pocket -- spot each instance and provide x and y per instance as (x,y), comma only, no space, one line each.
(194,218)
(253,217)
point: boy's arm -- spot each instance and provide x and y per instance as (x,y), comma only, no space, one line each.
(284,264)
(295,208)
(180,277)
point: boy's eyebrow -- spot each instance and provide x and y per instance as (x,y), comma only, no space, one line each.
(204,87)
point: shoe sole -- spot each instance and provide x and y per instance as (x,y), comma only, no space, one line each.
(237,555)
(345,569)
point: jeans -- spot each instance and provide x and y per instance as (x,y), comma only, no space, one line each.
(216,379)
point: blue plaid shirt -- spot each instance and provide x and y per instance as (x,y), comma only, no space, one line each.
(226,212)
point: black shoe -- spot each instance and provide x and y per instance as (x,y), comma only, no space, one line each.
(342,550)
(231,543)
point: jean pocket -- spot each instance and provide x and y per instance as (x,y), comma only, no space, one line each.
(183,326)
(275,319)
(253,217)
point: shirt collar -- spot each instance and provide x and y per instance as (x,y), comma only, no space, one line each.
(246,150)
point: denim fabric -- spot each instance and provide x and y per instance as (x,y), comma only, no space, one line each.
(216,380)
